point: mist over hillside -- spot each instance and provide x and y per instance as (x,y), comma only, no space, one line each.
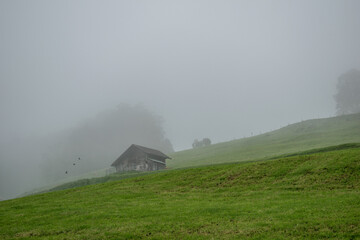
(213,69)
(91,145)
(296,137)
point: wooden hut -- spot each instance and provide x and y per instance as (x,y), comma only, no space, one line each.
(140,158)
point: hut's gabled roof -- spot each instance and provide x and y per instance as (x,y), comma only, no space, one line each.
(149,151)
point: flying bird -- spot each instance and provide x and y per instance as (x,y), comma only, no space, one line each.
(65,172)
(74,164)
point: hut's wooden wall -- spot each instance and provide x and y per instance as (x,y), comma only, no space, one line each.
(139,161)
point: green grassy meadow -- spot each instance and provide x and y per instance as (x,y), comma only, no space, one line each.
(306,135)
(298,182)
(305,196)
(298,137)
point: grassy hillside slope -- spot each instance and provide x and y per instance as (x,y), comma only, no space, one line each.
(300,197)
(131,174)
(297,137)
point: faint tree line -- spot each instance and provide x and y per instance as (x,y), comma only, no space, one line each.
(202,143)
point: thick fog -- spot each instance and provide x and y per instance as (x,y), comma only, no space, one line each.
(216,69)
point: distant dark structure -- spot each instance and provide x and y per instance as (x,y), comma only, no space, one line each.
(203,143)
(140,158)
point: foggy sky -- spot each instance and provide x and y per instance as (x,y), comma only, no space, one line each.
(217,69)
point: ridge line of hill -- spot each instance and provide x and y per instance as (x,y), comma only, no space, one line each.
(297,137)
(134,174)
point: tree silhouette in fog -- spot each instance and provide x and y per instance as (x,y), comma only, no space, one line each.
(102,139)
(348,93)
(202,143)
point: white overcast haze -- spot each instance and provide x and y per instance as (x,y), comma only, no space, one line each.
(219,69)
